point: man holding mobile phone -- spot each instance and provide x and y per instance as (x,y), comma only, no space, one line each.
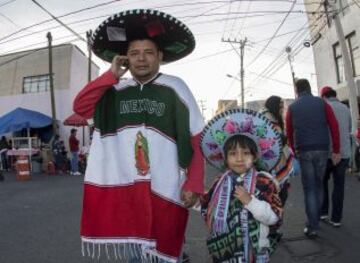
(145,167)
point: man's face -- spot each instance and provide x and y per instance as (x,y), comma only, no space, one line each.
(144,59)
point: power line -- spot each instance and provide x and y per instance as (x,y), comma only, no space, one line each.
(275,33)
(49,20)
(59,21)
(8,2)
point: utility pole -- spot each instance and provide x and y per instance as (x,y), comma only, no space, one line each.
(349,77)
(52,96)
(242,48)
(88,38)
(290,58)
(202,107)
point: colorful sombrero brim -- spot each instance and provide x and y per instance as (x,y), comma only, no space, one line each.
(246,122)
(172,36)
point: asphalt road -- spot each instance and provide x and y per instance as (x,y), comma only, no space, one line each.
(39,223)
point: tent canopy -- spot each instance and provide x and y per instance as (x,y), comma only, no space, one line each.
(75,120)
(21,118)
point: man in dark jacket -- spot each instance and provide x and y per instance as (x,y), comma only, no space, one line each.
(308,121)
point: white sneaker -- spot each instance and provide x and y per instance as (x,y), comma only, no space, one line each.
(77,173)
(324,217)
(335,224)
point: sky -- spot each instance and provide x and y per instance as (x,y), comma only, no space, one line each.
(268,26)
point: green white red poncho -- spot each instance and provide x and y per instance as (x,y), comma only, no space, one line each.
(144,152)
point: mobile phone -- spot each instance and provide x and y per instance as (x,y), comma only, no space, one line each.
(125,64)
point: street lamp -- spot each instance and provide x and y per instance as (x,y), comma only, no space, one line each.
(242,90)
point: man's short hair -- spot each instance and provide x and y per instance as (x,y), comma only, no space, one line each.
(73,130)
(142,36)
(302,85)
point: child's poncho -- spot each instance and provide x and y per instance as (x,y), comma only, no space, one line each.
(235,234)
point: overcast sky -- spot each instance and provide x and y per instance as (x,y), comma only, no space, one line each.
(269,27)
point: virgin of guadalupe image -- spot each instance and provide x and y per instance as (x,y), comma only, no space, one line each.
(142,154)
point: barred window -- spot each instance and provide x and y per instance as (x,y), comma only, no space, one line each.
(354,50)
(36,84)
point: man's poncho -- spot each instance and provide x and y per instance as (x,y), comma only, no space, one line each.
(141,150)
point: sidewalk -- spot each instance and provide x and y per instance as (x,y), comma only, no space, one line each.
(334,245)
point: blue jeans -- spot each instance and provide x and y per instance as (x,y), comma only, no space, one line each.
(338,174)
(74,162)
(313,166)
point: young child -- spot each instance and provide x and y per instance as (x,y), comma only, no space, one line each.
(243,202)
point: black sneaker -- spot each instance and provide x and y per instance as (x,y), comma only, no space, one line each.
(185,258)
(312,234)
(324,218)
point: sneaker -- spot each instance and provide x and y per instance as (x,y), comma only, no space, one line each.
(77,173)
(335,224)
(324,217)
(310,233)
(185,258)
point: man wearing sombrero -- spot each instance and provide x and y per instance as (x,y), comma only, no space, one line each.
(145,167)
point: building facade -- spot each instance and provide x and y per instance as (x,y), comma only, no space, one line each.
(224,105)
(25,81)
(326,48)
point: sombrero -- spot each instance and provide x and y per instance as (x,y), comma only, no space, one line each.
(245,122)
(172,36)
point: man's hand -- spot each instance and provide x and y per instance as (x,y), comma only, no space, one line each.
(336,158)
(242,195)
(189,198)
(119,66)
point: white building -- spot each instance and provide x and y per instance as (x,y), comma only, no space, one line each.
(25,82)
(327,52)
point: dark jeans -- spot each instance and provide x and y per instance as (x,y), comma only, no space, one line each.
(4,161)
(313,166)
(357,158)
(337,198)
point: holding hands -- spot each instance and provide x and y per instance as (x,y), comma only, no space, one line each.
(189,198)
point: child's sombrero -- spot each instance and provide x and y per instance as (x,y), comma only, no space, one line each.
(246,122)
(113,35)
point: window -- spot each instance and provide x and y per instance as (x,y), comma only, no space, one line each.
(35,84)
(354,49)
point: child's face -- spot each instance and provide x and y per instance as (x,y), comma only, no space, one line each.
(240,160)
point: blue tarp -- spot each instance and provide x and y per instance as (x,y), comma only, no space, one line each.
(20,118)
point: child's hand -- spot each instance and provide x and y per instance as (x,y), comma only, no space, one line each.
(189,198)
(242,195)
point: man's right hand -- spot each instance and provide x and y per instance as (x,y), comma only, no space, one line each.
(119,66)
(336,158)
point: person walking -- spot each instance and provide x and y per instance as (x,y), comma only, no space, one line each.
(338,171)
(308,120)
(145,167)
(274,110)
(4,147)
(74,151)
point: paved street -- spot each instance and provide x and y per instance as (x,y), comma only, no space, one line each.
(39,223)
